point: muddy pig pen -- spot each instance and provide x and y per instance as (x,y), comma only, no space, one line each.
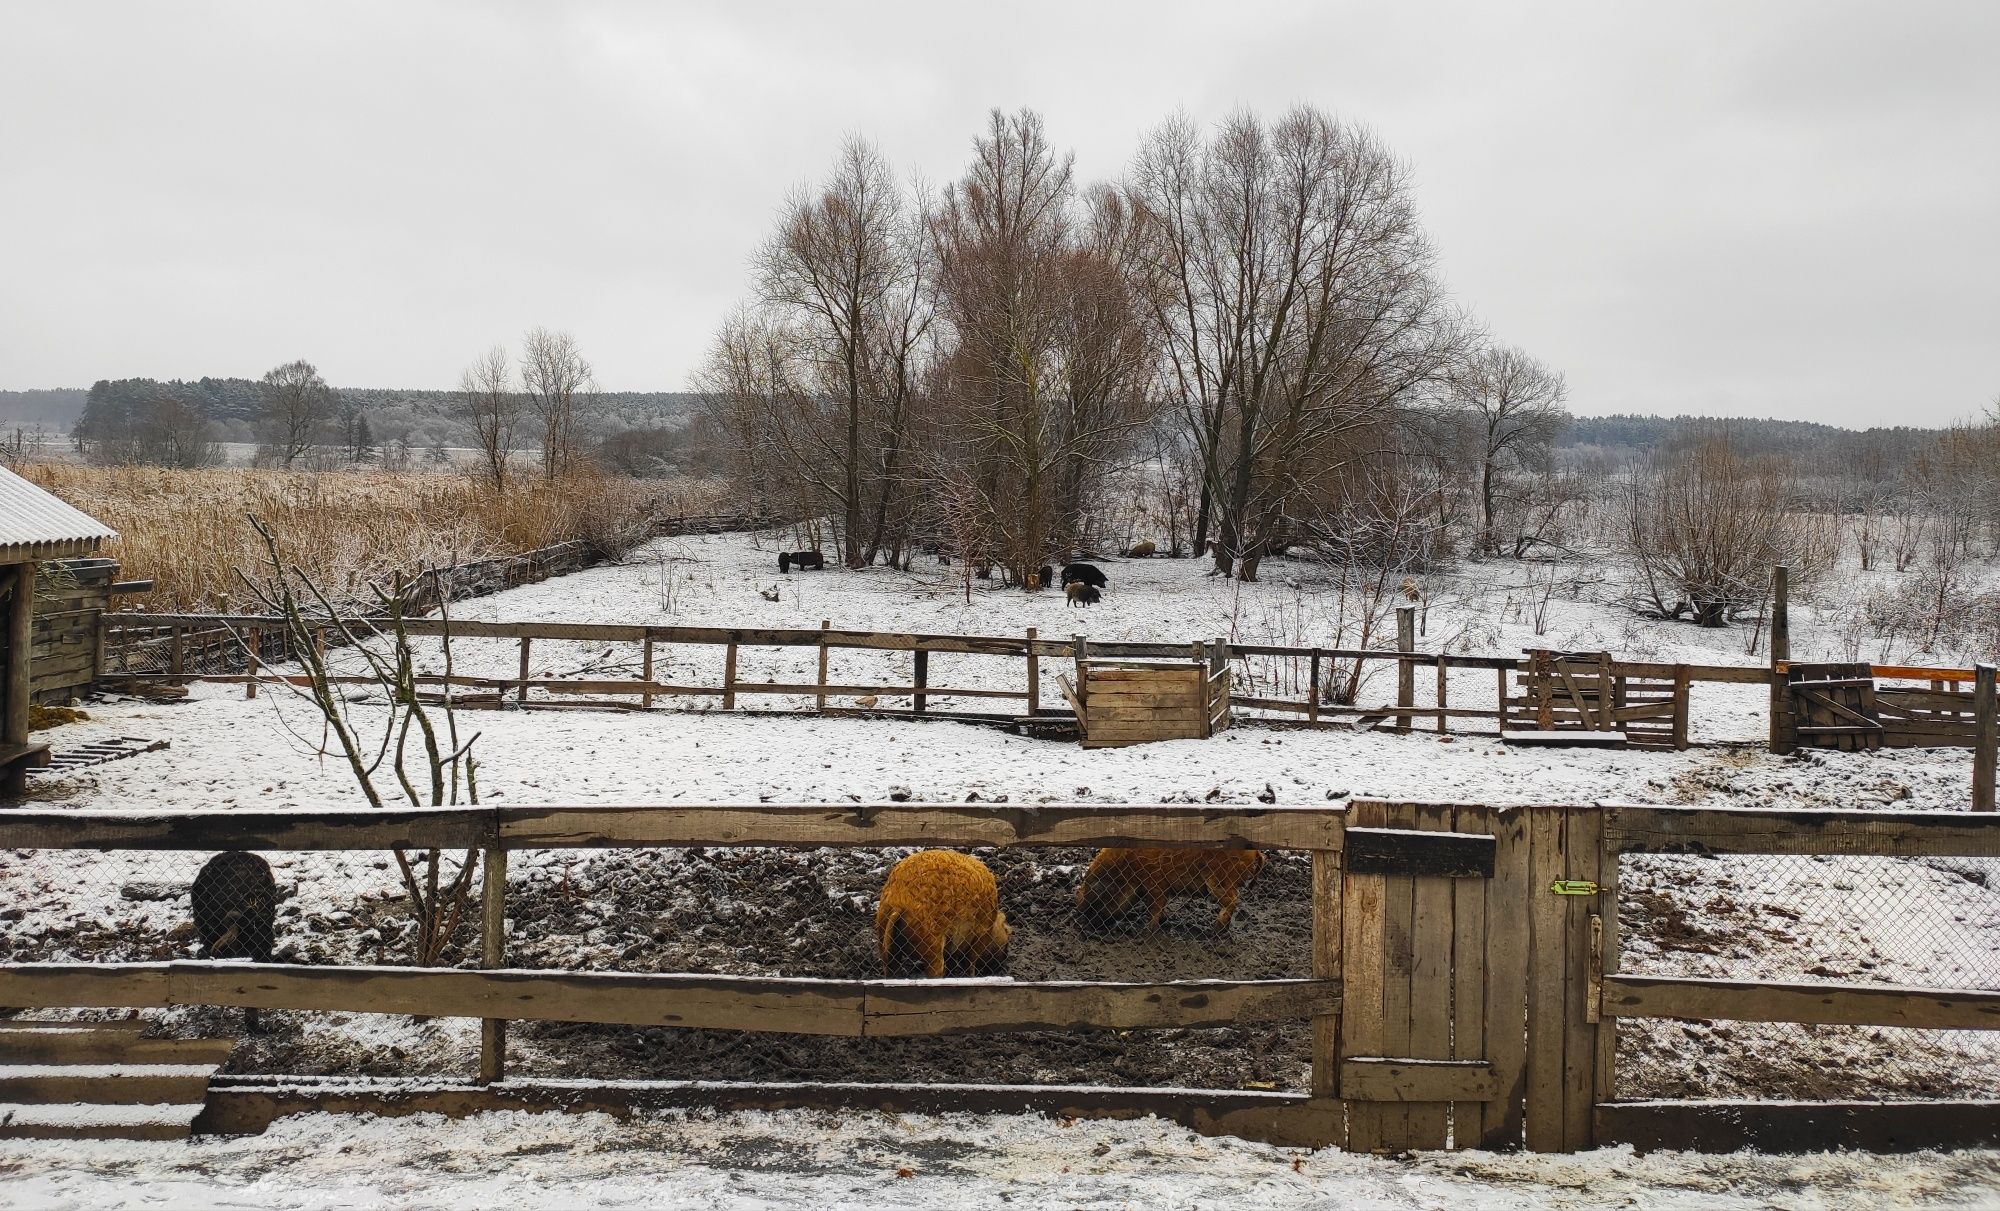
(714,911)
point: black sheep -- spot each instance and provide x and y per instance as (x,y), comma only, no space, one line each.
(236,911)
(1088,573)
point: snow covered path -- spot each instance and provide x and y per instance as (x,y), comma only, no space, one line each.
(827,1162)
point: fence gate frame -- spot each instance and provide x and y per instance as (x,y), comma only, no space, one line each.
(1472,961)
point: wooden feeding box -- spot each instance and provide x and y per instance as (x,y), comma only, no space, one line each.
(1121,702)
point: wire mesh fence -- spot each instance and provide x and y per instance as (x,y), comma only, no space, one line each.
(1914,922)
(1061,914)
(1058,914)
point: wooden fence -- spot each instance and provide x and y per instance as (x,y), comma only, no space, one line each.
(1465,987)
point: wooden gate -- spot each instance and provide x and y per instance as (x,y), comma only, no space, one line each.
(1829,706)
(1590,692)
(1468,1016)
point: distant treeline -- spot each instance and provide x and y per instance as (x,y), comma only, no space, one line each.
(1807,445)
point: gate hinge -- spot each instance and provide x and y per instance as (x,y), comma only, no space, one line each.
(1574,887)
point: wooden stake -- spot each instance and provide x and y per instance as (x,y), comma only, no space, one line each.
(1781,655)
(1312,691)
(521,694)
(825,625)
(729,677)
(1986,742)
(646,672)
(1034,676)
(922,678)
(1326,939)
(250,663)
(493,954)
(1406,673)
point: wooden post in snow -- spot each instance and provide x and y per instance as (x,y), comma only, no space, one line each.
(1406,673)
(1034,676)
(492,954)
(1781,655)
(1986,743)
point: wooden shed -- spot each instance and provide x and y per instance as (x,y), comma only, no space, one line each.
(34,527)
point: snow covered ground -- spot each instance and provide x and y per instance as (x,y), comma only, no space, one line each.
(1925,922)
(824,1162)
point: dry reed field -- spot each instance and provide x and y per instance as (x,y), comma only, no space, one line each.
(188,530)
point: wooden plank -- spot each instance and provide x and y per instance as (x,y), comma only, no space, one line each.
(1391,851)
(794,1006)
(1468,977)
(493,955)
(1430,1083)
(1583,836)
(1724,830)
(1548,973)
(1430,980)
(1327,937)
(898,824)
(1607,961)
(36,1043)
(317,829)
(1821,1003)
(104,1085)
(1790,1127)
(897,1008)
(248,1105)
(1551,738)
(1361,1032)
(1398,964)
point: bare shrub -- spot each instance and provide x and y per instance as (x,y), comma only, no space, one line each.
(1705,527)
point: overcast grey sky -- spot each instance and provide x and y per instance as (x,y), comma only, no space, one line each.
(1782,209)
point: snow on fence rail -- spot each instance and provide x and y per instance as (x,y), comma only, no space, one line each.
(1466,982)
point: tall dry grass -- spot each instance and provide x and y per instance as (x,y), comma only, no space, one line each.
(188,530)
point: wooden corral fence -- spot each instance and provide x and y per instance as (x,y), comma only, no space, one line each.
(1729,1125)
(1121,702)
(1465,989)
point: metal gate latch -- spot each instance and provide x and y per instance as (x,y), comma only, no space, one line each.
(1574,887)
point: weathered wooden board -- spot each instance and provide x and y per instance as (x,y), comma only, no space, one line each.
(1391,851)
(1432,1082)
(1781,1127)
(1642,829)
(1822,1004)
(318,829)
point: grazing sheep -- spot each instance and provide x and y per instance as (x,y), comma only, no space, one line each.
(1144,550)
(1088,573)
(1118,876)
(236,911)
(1081,594)
(938,906)
(802,560)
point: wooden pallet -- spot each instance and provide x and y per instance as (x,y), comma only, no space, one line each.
(97,752)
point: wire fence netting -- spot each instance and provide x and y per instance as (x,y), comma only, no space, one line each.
(1913,922)
(1064,914)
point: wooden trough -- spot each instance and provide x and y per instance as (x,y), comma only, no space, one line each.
(1120,702)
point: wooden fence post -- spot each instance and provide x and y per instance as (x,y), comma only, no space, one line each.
(250,662)
(1444,692)
(1034,676)
(729,676)
(921,660)
(1681,684)
(521,692)
(646,672)
(176,650)
(1312,691)
(492,954)
(1986,745)
(1080,650)
(1327,872)
(824,624)
(1406,673)
(1781,654)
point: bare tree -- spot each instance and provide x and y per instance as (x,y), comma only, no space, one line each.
(1048,355)
(1293,291)
(488,404)
(847,284)
(1515,408)
(298,407)
(560,389)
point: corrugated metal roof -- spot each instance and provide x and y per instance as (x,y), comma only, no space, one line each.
(42,524)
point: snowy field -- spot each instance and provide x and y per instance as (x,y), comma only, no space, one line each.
(1930,922)
(872,1162)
